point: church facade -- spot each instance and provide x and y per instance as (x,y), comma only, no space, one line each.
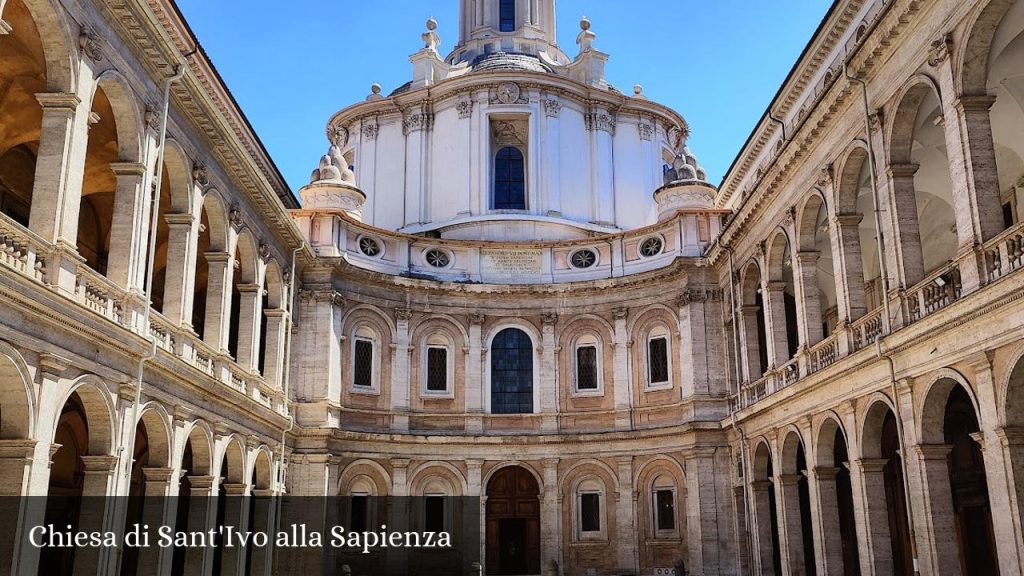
(509,279)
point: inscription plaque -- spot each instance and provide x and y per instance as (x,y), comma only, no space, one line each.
(511,266)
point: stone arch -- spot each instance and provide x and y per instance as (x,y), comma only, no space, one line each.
(59,42)
(365,469)
(99,413)
(177,178)
(656,364)
(807,220)
(262,469)
(761,465)
(444,323)
(371,314)
(780,297)
(792,443)
(589,374)
(274,286)
(591,320)
(925,207)
(848,172)
(829,426)
(515,464)
(777,247)
(158,432)
(17,400)
(878,406)
(1011,393)
(248,258)
(974,58)
(421,477)
(506,359)
(636,323)
(814,268)
(933,403)
(127,116)
(200,436)
(578,472)
(215,213)
(233,455)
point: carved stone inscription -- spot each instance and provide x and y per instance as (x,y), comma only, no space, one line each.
(511,266)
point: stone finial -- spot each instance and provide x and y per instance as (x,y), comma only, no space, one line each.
(333,168)
(585,40)
(638,91)
(374,93)
(431,39)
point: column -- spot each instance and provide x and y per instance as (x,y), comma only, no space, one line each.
(400,380)
(179,283)
(1011,444)
(157,511)
(704,537)
(274,352)
(262,521)
(249,310)
(625,516)
(61,152)
(474,376)
(398,512)
(933,510)
(790,525)
(202,515)
(828,542)
(129,228)
(848,266)
(874,541)
(236,515)
(475,489)
(218,299)
(96,486)
(906,238)
(620,373)
(762,527)
(807,298)
(550,515)
(693,340)
(548,374)
(775,323)
(601,124)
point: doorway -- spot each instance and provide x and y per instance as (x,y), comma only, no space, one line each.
(513,523)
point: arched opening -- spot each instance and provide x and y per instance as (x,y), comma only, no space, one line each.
(895,497)
(781,300)
(1014,417)
(183,508)
(96,212)
(992,53)
(753,327)
(511,354)
(136,497)
(765,512)
(969,488)
(173,218)
(509,179)
(923,190)
(22,76)
(195,499)
(796,504)
(513,523)
(236,304)
(815,268)
(844,502)
(857,235)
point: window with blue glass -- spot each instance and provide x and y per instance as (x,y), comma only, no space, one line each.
(507,16)
(511,373)
(509,179)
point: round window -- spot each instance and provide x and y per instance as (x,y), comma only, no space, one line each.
(583,258)
(437,258)
(370,247)
(651,247)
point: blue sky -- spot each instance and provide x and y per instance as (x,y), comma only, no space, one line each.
(292,65)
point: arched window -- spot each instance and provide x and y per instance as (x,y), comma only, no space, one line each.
(590,523)
(512,373)
(663,498)
(588,365)
(509,180)
(438,366)
(507,16)
(658,365)
(365,361)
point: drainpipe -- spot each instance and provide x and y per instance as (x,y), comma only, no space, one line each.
(872,169)
(154,221)
(286,380)
(735,324)
(903,450)
(771,116)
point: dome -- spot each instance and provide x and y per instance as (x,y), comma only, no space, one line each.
(505,61)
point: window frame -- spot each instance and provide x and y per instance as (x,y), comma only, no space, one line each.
(494,179)
(502,16)
(656,333)
(365,334)
(590,487)
(587,341)
(660,533)
(449,389)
